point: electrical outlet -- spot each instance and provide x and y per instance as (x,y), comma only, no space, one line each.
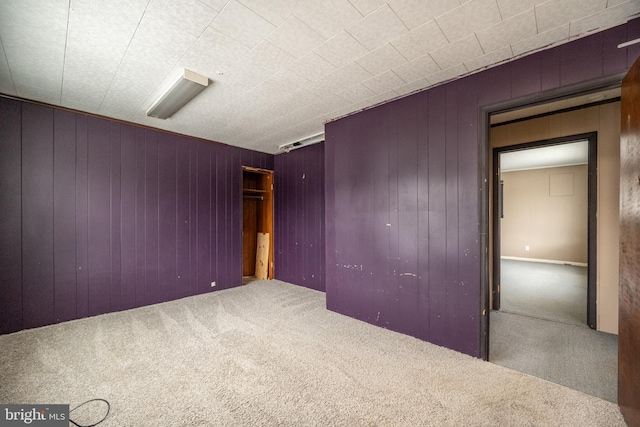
(213,284)
(526,248)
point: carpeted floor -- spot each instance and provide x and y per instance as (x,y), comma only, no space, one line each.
(269,353)
(575,356)
(541,329)
(545,291)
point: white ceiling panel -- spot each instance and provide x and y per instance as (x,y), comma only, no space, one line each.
(495,57)
(328,17)
(417,12)
(552,14)
(325,87)
(33,43)
(378,28)
(42,93)
(476,15)
(417,69)
(6,81)
(267,56)
(25,70)
(214,51)
(382,59)
(509,8)
(608,17)
(277,68)
(382,98)
(340,112)
(243,76)
(411,87)
(350,75)
(191,16)
(88,73)
(365,7)
(215,4)
(384,82)
(331,102)
(448,74)
(291,102)
(152,39)
(341,49)
(242,24)
(296,37)
(274,11)
(424,39)
(289,78)
(356,93)
(85,90)
(541,40)
(312,67)
(517,28)
(462,50)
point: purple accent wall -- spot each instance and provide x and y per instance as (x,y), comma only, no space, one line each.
(299,217)
(403,193)
(100,216)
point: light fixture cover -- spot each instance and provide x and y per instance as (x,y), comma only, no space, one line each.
(185,88)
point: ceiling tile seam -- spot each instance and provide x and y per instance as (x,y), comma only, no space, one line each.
(124,55)
(396,49)
(263,17)
(535,15)
(397,16)
(358,10)
(357,41)
(499,11)
(64,56)
(440,28)
(4,53)
(479,44)
(444,14)
(209,6)
(264,39)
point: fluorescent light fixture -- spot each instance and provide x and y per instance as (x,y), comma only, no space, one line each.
(183,90)
(311,139)
(629,43)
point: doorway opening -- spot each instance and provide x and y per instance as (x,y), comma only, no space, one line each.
(257,224)
(544,229)
(567,353)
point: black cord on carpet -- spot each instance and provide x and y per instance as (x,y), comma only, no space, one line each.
(84,403)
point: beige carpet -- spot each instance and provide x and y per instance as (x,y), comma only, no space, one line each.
(269,353)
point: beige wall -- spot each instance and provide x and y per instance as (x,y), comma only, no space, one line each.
(546,211)
(604,119)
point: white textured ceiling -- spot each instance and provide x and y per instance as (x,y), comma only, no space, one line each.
(279,68)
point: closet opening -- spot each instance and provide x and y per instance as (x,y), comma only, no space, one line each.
(257,224)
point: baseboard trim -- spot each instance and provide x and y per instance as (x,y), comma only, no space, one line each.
(548,261)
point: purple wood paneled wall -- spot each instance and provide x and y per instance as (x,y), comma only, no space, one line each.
(402,193)
(100,216)
(299,218)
